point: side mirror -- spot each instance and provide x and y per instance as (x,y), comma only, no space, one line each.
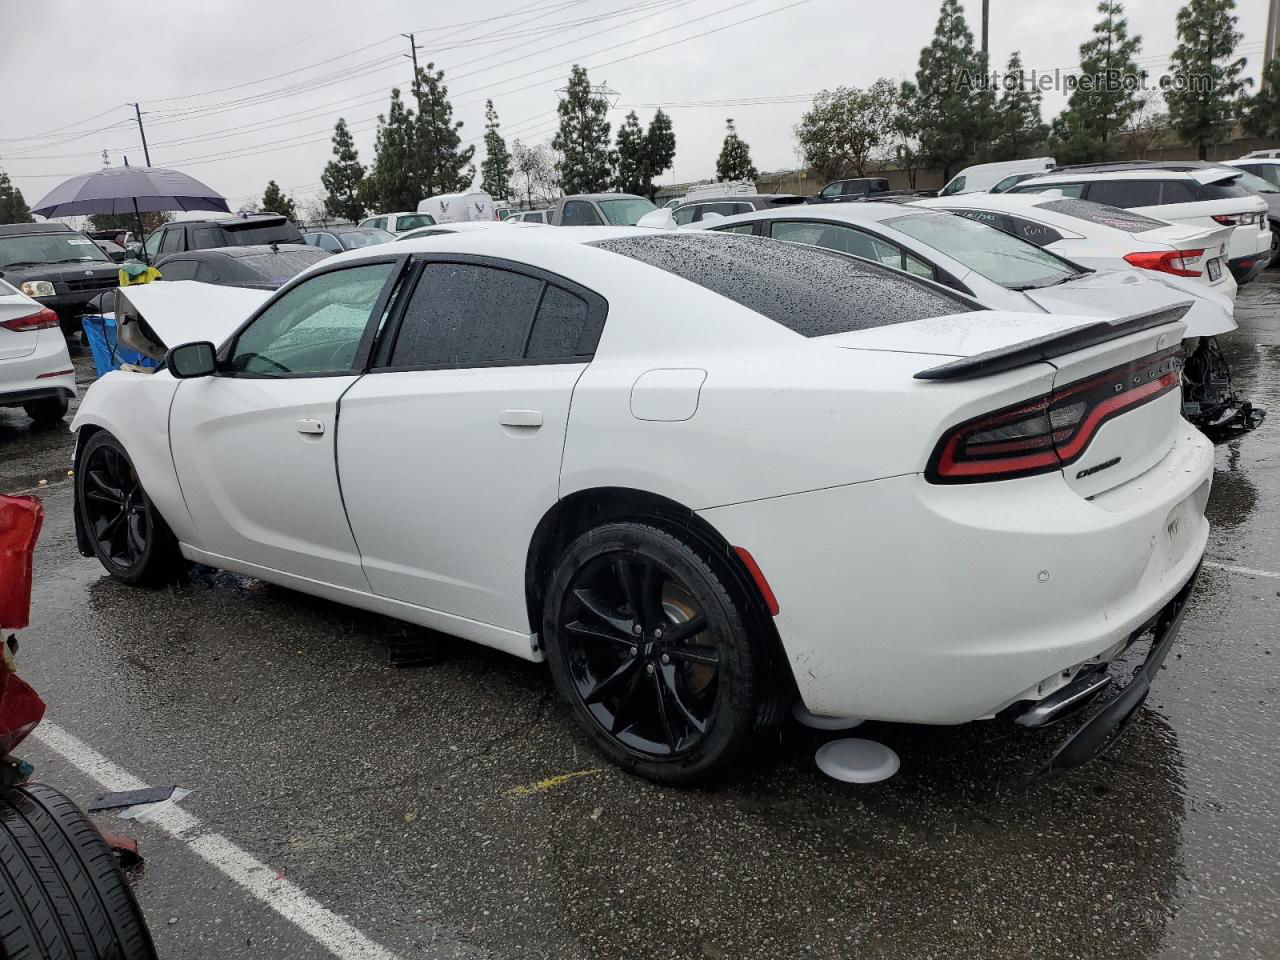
(189,360)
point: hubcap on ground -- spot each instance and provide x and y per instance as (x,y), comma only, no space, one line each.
(115,509)
(641,655)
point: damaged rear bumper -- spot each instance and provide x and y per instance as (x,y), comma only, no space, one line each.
(1103,729)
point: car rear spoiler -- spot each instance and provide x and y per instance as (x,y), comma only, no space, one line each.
(1054,345)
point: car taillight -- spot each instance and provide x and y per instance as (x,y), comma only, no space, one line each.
(1180,263)
(1237,219)
(1049,432)
(45,319)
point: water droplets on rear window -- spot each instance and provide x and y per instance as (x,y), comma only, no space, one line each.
(812,291)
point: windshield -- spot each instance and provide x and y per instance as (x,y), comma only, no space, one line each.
(1255,183)
(625,212)
(353,239)
(988,252)
(413,221)
(48,248)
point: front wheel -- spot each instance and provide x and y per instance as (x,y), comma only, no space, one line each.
(655,652)
(127,533)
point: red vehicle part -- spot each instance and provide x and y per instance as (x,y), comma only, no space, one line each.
(20,707)
(20,520)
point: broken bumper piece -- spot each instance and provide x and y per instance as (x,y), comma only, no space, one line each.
(1103,729)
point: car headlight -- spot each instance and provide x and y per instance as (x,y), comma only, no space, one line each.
(38,288)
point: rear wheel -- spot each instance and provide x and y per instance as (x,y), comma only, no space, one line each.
(1275,246)
(655,653)
(126,531)
(62,894)
(47,409)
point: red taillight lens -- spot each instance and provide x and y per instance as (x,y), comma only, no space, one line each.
(1049,432)
(1180,263)
(1237,219)
(46,319)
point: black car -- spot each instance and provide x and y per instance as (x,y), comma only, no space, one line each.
(338,239)
(55,266)
(841,191)
(260,267)
(691,211)
(243,231)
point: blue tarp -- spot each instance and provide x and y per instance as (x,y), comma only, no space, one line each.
(100,333)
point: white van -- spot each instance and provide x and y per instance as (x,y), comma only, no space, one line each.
(996,177)
(456,207)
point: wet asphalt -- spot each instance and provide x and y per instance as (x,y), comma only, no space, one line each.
(430,808)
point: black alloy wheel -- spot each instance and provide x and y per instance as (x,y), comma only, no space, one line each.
(127,533)
(657,651)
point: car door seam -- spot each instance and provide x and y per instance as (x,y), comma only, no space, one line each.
(337,474)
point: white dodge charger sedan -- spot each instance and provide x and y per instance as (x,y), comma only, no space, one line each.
(696,473)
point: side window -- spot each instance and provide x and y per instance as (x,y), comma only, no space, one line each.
(1126,193)
(562,329)
(745,228)
(684,215)
(152,246)
(460,315)
(171,242)
(202,238)
(837,237)
(1033,232)
(327,241)
(916,267)
(831,190)
(1073,191)
(1177,191)
(955,186)
(179,270)
(1003,185)
(314,328)
(579,213)
(854,188)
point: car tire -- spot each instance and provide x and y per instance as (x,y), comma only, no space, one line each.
(109,497)
(62,893)
(1275,246)
(47,410)
(673,706)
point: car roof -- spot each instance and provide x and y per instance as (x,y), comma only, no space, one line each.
(1243,160)
(604,196)
(249,218)
(858,212)
(395,213)
(1135,173)
(47,226)
(340,228)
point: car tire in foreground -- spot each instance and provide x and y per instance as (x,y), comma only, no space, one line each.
(47,410)
(126,531)
(62,894)
(658,653)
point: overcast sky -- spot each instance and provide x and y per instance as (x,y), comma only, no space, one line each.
(238,93)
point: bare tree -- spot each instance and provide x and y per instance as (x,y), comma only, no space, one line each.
(1148,126)
(534,173)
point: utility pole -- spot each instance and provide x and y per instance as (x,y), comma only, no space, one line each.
(413,54)
(986,16)
(1273,38)
(146,154)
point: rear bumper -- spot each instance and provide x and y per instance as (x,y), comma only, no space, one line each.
(1245,269)
(1101,731)
(46,372)
(910,602)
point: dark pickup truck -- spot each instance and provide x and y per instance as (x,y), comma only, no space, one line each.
(55,266)
(862,188)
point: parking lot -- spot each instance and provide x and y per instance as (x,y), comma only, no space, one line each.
(453,809)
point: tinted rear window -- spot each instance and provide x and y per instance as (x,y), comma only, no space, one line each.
(1101,214)
(1223,190)
(809,290)
(249,236)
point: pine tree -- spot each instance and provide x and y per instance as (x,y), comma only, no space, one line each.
(660,150)
(1106,97)
(1262,112)
(1020,131)
(734,162)
(955,99)
(390,185)
(438,164)
(632,156)
(13,208)
(1207,73)
(274,201)
(496,171)
(342,176)
(583,138)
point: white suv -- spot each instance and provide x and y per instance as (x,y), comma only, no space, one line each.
(36,372)
(399,223)
(1202,196)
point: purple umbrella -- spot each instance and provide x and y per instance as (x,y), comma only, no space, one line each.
(129,190)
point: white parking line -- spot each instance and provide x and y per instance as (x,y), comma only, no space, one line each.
(1248,571)
(259,880)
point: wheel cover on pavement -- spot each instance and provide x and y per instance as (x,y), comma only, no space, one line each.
(115,507)
(640,653)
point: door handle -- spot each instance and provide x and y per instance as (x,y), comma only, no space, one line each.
(520,418)
(312,427)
